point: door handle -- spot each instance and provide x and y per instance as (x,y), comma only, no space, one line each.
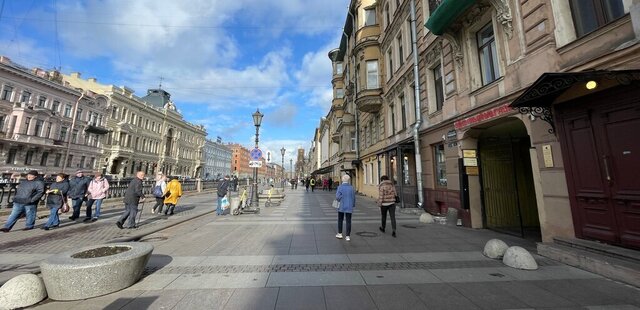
(606,167)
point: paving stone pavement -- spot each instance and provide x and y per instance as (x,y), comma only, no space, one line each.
(287,257)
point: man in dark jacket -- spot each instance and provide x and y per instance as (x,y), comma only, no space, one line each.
(77,192)
(132,197)
(26,200)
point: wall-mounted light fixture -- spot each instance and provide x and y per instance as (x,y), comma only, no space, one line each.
(591,85)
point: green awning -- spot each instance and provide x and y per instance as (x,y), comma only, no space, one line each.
(446,13)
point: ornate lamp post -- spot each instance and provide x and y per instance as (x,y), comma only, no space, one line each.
(282,151)
(257,119)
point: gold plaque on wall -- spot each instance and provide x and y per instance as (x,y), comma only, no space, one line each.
(472,170)
(469,153)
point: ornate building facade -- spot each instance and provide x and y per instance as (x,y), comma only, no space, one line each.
(495,99)
(146,133)
(38,129)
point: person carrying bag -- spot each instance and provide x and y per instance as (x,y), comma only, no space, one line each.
(387,202)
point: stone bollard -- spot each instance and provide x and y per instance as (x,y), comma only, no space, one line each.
(22,291)
(519,258)
(452,216)
(495,249)
(426,218)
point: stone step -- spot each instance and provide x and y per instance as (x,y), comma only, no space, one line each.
(606,260)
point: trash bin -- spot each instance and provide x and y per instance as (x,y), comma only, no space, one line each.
(234,204)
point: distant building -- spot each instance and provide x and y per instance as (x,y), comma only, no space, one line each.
(36,123)
(240,161)
(217,159)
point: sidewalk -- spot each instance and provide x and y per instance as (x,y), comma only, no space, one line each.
(23,250)
(287,257)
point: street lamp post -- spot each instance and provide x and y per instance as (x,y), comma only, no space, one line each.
(282,151)
(291,166)
(257,119)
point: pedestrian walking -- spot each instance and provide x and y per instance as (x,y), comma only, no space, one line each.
(223,188)
(159,190)
(306,184)
(330,184)
(97,192)
(312,183)
(325,184)
(56,197)
(26,199)
(387,203)
(172,194)
(78,186)
(346,198)
(132,197)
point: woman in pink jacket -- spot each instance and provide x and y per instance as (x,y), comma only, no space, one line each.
(97,191)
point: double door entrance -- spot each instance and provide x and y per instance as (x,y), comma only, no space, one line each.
(600,136)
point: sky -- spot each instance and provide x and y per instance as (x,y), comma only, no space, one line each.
(220,59)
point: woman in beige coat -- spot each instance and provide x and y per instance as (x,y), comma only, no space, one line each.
(387,203)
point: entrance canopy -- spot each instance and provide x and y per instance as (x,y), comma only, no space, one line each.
(323,170)
(549,86)
(538,99)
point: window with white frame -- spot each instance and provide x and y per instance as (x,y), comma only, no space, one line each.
(353,140)
(26,97)
(403,110)
(387,20)
(55,106)
(42,100)
(338,69)
(438,86)
(440,165)
(6,93)
(374,127)
(339,93)
(488,54)
(400,50)
(390,64)
(589,15)
(370,17)
(392,118)
(67,110)
(372,74)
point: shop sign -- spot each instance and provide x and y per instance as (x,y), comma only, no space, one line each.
(483,116)
(452,138)
(469,154)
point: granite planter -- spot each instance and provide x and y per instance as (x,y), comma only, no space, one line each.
(94,270)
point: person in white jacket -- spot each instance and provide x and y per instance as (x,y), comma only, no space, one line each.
(96,192)
(158,192)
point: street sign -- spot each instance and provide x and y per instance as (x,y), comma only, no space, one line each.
(255,154)
(255,164)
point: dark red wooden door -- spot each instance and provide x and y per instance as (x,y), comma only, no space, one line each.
(601,149)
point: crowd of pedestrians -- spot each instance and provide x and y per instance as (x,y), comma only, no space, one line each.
(69,194)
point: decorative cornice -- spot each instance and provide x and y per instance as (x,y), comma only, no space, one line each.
(455,48)
(434,53)
(503,13)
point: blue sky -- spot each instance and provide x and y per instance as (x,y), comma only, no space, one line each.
(219,59)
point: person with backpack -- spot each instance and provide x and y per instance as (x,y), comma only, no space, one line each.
(98,188)
(172,194)
(223,188)
(159,189)
(312,183)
